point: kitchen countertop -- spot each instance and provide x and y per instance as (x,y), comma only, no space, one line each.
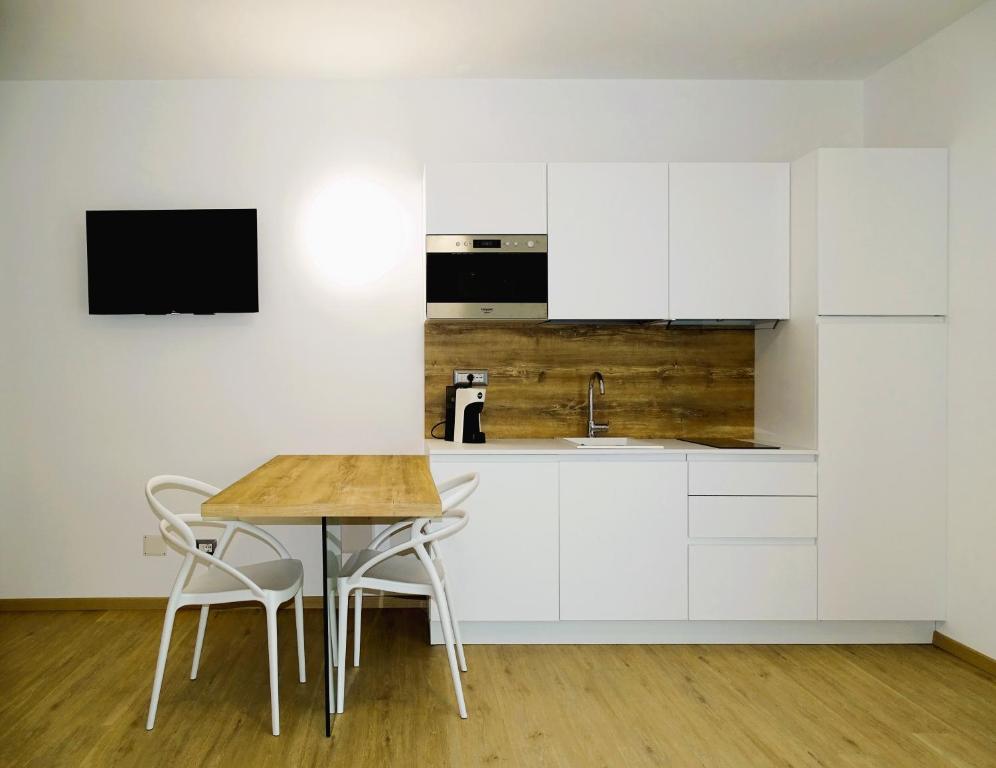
(559,446)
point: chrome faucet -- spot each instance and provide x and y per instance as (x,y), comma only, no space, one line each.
(592,426)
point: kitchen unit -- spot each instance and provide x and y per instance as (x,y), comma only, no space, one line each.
(673,541)
(859,372)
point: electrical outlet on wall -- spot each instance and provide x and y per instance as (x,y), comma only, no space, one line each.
(477,377)
(154,546)
(207,545)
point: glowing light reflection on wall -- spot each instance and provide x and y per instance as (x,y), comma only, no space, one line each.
(355,231)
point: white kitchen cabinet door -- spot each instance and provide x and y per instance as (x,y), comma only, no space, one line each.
(485,199)
(752,582)
(882,502)
(503,565)
(749,517)
(882,229)
(623,540)
(743,477)
(608,241)
(729,241)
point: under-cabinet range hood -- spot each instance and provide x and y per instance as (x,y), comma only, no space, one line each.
(719,324)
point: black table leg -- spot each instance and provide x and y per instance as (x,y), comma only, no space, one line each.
(326,667)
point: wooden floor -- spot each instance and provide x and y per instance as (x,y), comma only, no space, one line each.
(74,691)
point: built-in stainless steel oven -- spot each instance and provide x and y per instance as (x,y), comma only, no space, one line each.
(486,277)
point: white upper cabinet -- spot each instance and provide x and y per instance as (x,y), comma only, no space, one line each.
(729,241)
(882,231)
(485,198)
(608,241)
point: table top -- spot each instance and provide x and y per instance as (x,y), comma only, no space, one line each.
(379,488)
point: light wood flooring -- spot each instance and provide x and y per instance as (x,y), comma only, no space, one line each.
(74,691)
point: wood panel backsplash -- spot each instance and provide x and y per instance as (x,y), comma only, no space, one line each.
(659,382)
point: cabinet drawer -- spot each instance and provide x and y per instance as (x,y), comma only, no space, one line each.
(752,517)
(759,582)
(752,478)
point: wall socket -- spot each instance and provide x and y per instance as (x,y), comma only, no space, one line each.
(463,377)
(207,545)
(154,546)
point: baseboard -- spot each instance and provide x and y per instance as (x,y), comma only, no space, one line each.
(83,604)
(968,655)
(694,632)
(311,603)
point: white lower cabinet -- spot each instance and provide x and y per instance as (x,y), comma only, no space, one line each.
(614,539)
(760,582)
(623,538)
(504,563)
(752,523)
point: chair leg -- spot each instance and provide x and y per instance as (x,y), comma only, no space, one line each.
(299,626)
(333,634)
(456,628)
(357,621)
(157,683)
(444,619)
(340,677)
(199,643)
(271,647)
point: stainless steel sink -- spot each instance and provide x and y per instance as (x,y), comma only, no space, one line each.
(613,442)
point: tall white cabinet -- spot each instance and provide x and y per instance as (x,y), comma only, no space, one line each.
(859,374)
(608,252)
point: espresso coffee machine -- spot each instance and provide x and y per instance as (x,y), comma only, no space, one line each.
(464,403)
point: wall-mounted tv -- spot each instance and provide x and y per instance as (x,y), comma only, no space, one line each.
(199,261)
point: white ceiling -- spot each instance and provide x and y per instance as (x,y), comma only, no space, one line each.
(776,39)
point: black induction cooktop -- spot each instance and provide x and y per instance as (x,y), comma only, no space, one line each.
(728,442)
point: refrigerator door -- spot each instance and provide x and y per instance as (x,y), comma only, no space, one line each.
(882,468)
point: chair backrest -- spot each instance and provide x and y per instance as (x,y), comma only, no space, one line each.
(452,492)
(457,489)
(175,529)
(427,531)
(172,525)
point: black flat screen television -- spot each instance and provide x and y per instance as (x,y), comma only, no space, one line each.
(200,261)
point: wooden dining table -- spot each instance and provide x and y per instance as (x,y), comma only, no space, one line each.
(337,489)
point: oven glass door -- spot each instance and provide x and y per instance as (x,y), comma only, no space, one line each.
(486,279)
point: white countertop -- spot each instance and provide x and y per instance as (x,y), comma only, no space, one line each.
(558,446)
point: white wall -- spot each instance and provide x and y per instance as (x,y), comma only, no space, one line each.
(93,406)
(943,93)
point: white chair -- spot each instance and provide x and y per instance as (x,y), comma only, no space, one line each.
(270,583)
(413,567)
